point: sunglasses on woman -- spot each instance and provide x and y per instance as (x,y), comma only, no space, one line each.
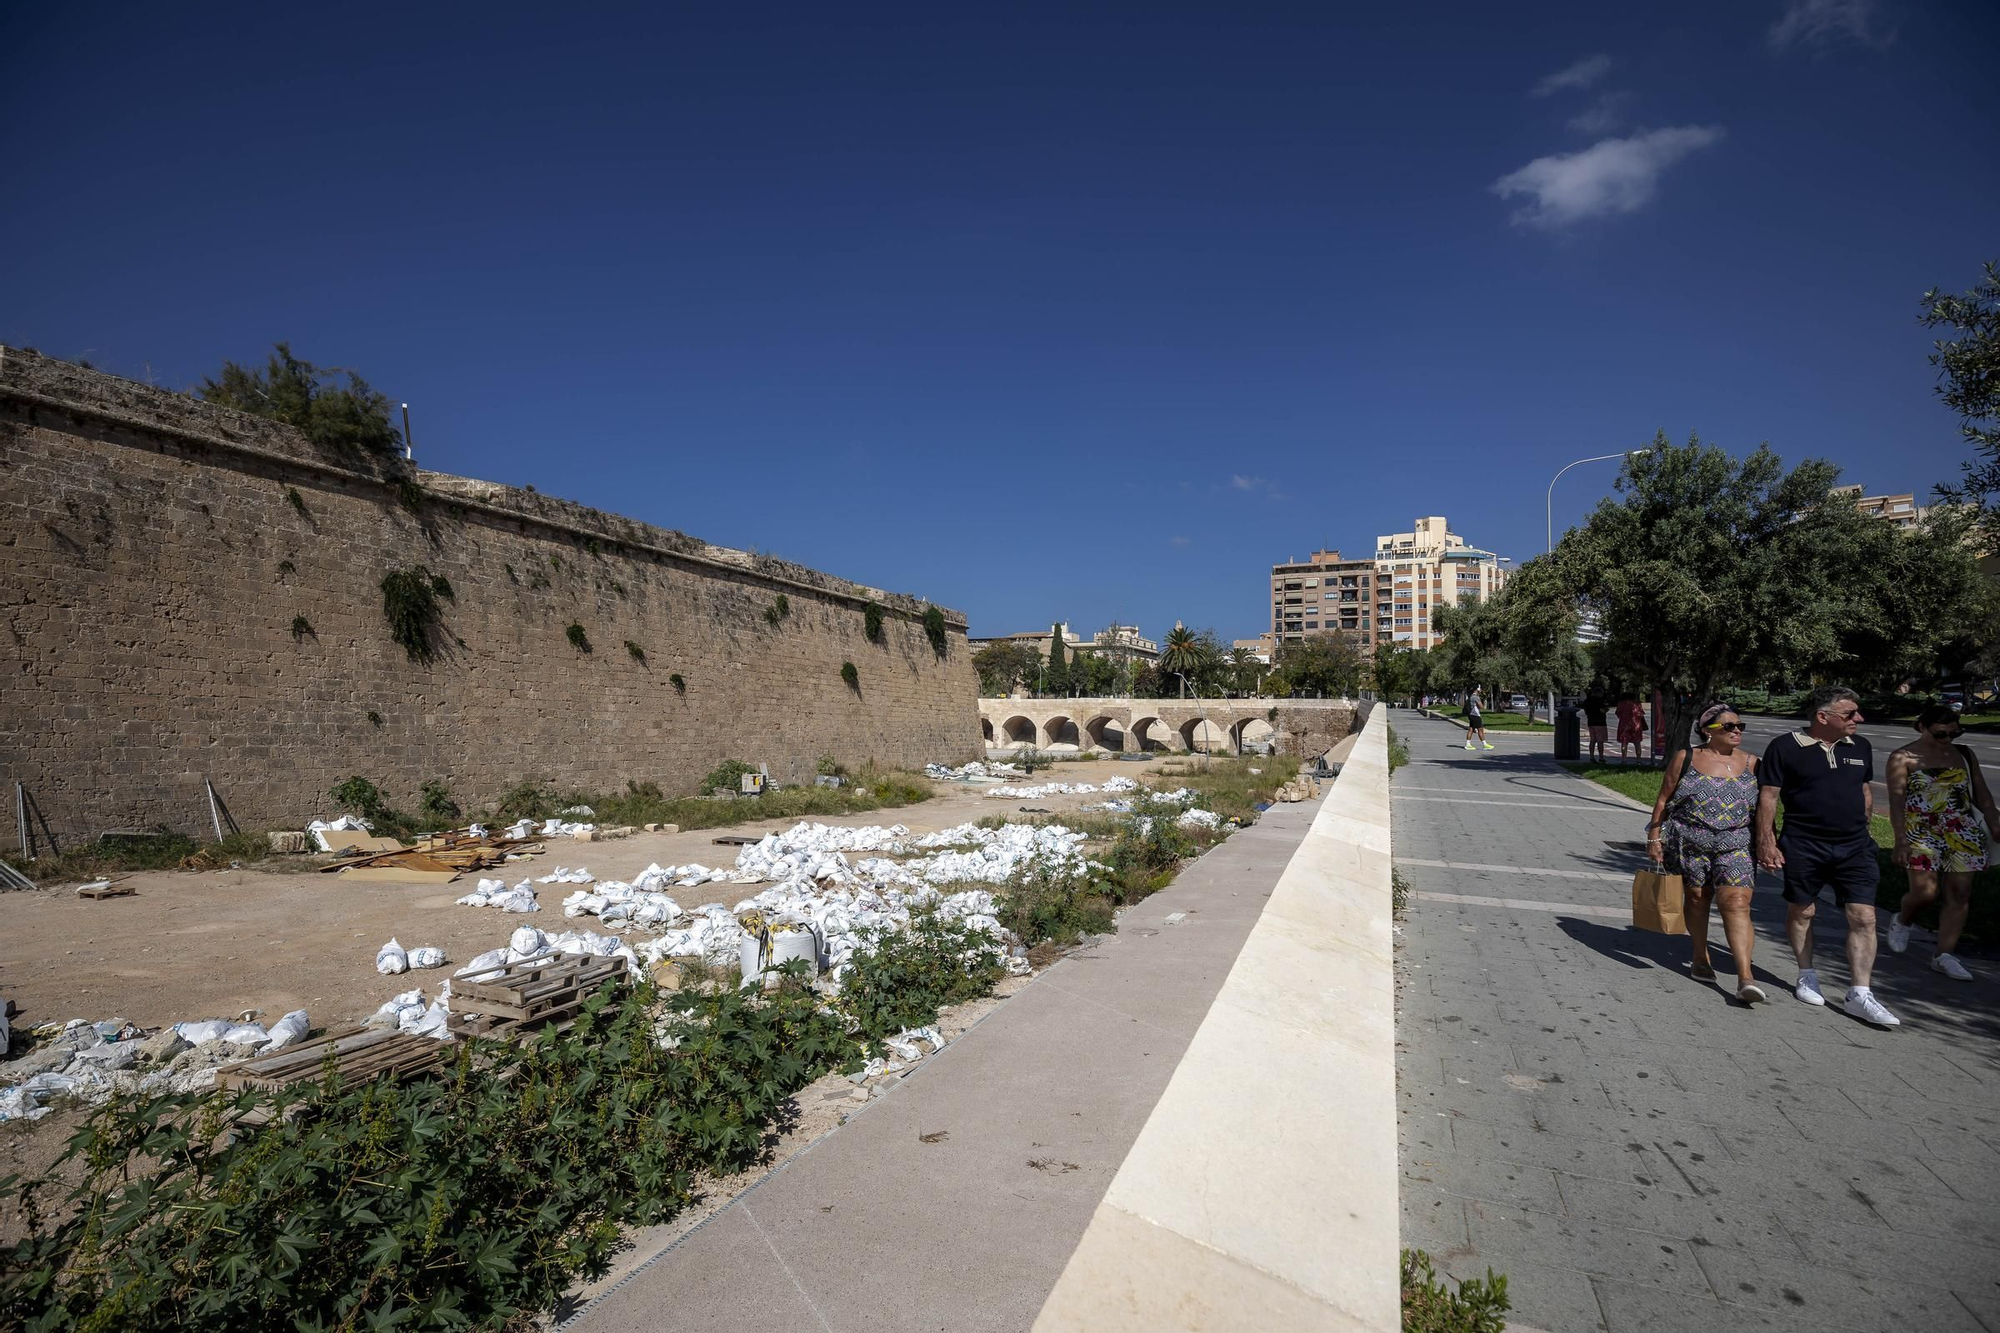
(1946,735)
(1726,726)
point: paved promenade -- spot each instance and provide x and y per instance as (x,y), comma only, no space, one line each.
(953,1201)
(1633,1149)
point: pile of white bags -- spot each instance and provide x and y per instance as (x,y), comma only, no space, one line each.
(319,828)
(945,773)
(1065,788)
(495,893)
(1199,819)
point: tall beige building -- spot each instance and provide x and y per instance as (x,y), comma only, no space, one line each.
(1323,594)
(1418,571)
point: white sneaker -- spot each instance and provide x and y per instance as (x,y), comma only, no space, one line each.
(1899,934)
(1951,967)
(1470,746)
(1863,1005)
(1807,988)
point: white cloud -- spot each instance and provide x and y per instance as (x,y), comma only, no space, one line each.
(1580,75)
(1611,176)
(1821,23)
(1243,483)
(1604,115)
(1178,541)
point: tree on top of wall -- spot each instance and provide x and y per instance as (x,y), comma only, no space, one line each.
(300,394)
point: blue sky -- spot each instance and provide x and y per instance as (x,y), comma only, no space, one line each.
(1081,311)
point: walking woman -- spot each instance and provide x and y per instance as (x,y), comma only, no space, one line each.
(1701,832)
(1934,785)
(1631,727)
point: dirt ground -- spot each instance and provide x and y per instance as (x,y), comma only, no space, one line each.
(214,944)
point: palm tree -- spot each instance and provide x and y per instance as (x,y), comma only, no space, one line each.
(1182,655)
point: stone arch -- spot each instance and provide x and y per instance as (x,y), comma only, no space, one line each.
(1150,733)
(1203,735)
(1060,730)
(986,729)
(1251,731)
(1019,730)
(1106,732)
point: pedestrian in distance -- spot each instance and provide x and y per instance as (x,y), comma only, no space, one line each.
(1820,774)
(1475,722)
(1631,727)
(1594,710)
(1934,786)
(1701,832)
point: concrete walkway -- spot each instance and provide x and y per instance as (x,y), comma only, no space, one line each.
(873,1229)
(1629,1146)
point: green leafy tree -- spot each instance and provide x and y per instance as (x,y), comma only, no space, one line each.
(1708,570)
(1058,657)
(354,417)
(1320,665)
(1092,674)
(1246,672)
(1969,384)
(1394,672)
(1002,666)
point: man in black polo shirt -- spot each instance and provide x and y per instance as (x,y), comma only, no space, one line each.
(1822,775)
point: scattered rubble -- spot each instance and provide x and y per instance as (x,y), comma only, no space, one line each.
(93,1061)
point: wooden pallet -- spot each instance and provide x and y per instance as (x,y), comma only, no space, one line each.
(548,988)
(107,891)
(736,840)
(363,1053)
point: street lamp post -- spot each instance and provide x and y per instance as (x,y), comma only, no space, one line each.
(1549,521)
(1207,738)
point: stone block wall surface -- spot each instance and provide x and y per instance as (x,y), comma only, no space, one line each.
(172,614)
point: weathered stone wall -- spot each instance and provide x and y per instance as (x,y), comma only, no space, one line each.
(154,565)
(1302,728)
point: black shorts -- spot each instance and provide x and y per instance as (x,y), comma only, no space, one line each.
(1477,721)
(1812,867)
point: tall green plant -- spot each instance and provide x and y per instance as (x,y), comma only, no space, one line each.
(305,396)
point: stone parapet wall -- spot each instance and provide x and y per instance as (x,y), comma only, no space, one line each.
(172,615)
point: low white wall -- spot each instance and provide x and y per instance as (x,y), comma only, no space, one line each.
(1261,1193)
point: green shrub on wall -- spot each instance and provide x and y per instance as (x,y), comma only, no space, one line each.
(577,638)
(934,630)
(871,622)
(411,604)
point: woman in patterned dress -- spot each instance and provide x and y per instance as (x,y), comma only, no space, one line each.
(1934,785)
(1701,832)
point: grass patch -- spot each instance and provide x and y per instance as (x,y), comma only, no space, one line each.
(1399,751)
(1227,784)
(161,849)
(1498,721)
(643,802)
(1641,784)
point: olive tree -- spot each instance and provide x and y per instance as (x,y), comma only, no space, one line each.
(1705,570)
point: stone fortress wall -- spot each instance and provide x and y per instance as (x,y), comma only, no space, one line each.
(174,613)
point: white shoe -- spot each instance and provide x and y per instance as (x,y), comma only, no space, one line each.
(1863,1005)
(1807,988)
(1951,967)
(1470,746)
(1899,934)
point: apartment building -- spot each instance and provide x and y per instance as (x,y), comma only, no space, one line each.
(1901,511)
(1418,571)
(1322,594)
(1117,640)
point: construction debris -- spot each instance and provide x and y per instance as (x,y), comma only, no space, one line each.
(534,992)
(438,859)
(104,888)
(360,1054)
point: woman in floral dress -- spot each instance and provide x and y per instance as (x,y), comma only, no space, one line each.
(1934,787)
(1701,832)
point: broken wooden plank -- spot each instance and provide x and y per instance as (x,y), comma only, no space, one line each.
(736,840)
(105,891)
(395,874)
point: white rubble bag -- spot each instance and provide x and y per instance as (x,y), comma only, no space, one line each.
(292,1027)
(428,955)
(391,959)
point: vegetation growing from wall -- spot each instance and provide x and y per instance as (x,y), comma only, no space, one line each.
(871,621)
(411,604)
(577,638)
(851,675)
(435,807)
(353,417)
(302,628)
(778,610)
(934,630)
(638,653)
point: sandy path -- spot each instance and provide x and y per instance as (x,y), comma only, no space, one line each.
(190,945)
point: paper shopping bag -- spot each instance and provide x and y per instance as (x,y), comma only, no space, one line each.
(1656,902)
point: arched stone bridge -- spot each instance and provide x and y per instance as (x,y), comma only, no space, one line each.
(1302,727)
